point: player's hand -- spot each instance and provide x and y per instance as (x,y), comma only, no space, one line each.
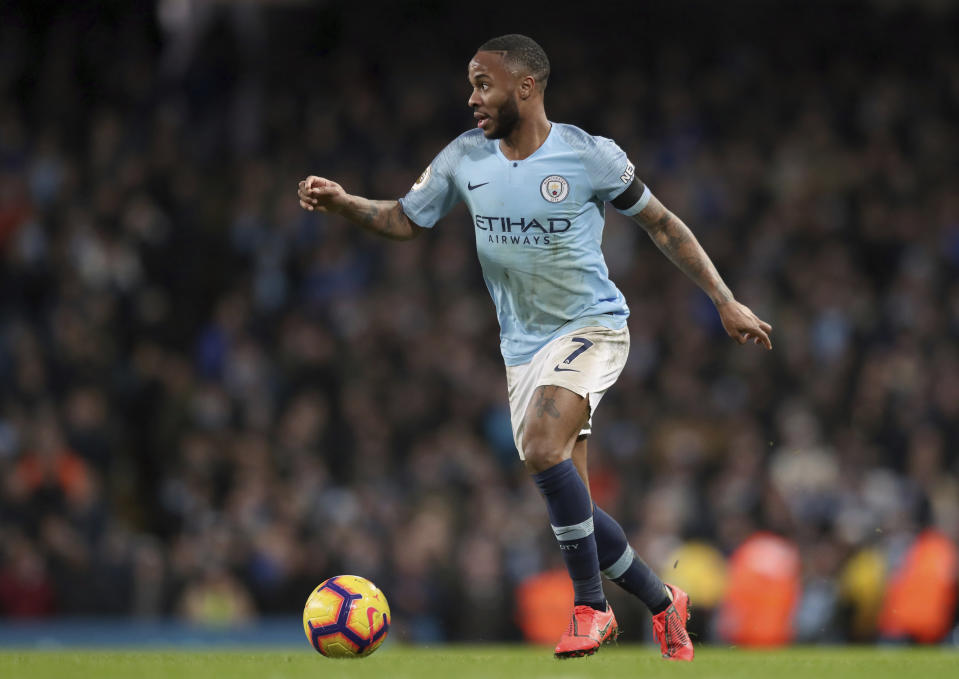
(743,325)
(317,193)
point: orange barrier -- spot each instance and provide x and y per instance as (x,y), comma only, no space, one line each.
(920,596)
(762,592)
(543,605)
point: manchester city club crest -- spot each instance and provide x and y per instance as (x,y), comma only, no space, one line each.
(554,188)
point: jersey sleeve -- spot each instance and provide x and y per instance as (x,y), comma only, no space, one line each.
(435,193)
(614,177)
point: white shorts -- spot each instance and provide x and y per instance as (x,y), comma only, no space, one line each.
(586,361)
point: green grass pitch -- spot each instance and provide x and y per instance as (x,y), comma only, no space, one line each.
(466,662)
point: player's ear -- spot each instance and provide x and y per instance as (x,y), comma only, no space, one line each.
(526,87)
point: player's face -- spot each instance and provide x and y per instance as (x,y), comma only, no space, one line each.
(494,100)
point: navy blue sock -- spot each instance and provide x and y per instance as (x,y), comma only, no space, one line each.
(571,516)
(623,566)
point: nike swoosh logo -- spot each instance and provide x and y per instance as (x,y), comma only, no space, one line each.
(602,632)
(475,186)
(565,370)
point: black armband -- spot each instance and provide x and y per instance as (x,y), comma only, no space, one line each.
(635,193)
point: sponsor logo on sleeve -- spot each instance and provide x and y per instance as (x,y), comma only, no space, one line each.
(425,177)
(554,188)
(628,173)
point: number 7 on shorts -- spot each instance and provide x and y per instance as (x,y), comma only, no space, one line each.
(586,345)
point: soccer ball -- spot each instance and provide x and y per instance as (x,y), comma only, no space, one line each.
(346,617)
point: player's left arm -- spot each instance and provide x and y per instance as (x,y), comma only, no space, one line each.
(680,245)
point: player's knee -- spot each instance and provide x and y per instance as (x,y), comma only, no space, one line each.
(541,454)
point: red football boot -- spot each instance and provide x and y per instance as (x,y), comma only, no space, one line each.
(669,627)
(588,630)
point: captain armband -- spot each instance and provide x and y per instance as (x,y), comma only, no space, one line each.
(633,199)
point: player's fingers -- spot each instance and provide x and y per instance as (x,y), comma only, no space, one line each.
(321,192)
(306,206)
(765,326)
(314,182)
(762,337)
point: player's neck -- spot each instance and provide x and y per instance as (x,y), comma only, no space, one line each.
(528,136)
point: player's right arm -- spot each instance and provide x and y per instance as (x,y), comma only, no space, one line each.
(383,217)
(430,198)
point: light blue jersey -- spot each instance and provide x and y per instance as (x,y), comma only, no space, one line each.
(538,224)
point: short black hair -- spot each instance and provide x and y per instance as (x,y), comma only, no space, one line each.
(523,52)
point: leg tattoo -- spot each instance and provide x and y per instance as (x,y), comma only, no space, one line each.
(545,404)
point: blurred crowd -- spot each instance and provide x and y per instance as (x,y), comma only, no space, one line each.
(211,400)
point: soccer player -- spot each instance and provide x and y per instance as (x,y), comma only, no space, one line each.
(536,192)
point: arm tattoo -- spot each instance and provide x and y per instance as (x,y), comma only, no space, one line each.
(369,217)
(384,218)
(545,405)
(397,224)
(678,243)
